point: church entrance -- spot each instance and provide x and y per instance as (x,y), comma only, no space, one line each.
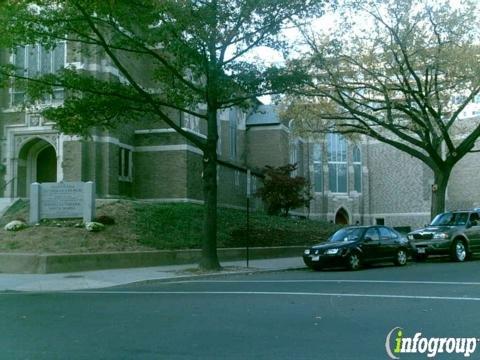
(37,162)
(342,217)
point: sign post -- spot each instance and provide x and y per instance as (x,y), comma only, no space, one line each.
(249,177)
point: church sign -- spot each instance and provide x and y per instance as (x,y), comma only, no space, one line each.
(62,200)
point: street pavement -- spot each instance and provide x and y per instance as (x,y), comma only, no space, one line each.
(294,314)
(115,277)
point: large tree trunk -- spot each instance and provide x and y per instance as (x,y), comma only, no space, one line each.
(209,245)
(439,189)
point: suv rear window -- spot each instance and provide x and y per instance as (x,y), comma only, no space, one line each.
(450,219)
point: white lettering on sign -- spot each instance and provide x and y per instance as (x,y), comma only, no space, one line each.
(62,200)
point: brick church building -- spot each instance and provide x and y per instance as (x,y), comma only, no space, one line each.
(364,181)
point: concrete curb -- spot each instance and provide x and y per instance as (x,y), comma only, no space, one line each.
(68,285)
(22,263)
(188,277)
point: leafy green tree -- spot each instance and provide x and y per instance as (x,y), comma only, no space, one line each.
(172,56)
(282,192)
(404,79)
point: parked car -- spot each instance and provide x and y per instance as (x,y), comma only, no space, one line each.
(453,233)
(358,245)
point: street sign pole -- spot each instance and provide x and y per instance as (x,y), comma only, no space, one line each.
(249,176)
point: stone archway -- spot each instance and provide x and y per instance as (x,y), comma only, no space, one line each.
(37,162)
(341,217)
(46,165)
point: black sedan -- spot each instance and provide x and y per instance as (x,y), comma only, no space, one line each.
(354,246)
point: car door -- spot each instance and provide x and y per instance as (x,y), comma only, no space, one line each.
(371,245)
(473,231)
(388,245)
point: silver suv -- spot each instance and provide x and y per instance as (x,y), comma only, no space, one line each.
(453,233)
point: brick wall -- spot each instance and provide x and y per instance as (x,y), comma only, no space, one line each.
(160,175)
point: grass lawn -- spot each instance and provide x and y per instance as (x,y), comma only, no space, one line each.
(148,226)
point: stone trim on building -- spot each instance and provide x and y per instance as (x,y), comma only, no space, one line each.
(159,148)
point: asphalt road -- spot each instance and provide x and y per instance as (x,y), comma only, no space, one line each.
(285,315)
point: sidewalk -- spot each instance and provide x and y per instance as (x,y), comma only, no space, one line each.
(108,278)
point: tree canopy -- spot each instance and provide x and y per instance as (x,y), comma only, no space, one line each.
(401,72)
(168,57)
(165,51)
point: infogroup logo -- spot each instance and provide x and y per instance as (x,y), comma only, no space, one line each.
(397,344)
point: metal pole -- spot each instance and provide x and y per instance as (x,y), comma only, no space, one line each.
(248,217)
(248,231)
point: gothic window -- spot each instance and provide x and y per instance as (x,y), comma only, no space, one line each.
(232,131)
(357,169)
(294,156)
(219,131)
(337,163)
(35,61)
(317,168)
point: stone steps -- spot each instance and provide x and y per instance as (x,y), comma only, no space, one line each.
(5,203)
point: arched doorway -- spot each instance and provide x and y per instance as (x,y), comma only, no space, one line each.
(37,162)
(341,217)
(46,165)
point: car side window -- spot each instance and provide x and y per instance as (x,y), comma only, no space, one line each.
(386,234)
(372,233)
(474,219)
(462,218)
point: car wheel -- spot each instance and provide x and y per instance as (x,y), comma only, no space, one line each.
(420,257)
(354,262)
(458,252)
(401,258)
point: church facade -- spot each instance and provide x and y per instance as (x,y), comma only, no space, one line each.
(364,182)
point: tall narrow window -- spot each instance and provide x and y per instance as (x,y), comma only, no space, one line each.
(232,119)
(20,61)
(35,61)
(357,169)
(237,178)
(220,136)
(294,156)
(337,163)
(192,123)
(317,168)
(125,164)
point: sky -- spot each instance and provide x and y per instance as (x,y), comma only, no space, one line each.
(323,25)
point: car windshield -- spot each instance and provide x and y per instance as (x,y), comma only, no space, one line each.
(450,219)
(350,234)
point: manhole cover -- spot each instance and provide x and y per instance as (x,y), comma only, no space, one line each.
(73,276)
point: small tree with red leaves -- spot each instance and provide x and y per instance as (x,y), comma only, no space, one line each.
(282,192)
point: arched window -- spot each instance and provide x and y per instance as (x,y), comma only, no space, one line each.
(317,168)
(337,163)
(357,169)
